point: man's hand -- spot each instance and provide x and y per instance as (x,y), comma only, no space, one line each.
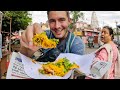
(27,47)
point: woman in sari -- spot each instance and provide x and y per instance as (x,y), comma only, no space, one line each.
(109,52)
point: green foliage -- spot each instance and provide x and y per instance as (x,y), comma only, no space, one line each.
(75,17)
(20,20)
(71,26)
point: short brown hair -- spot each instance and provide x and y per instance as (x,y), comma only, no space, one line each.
(67,12)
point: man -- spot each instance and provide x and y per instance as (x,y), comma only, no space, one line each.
(90,41)
(68,43)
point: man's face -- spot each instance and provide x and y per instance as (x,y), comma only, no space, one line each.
(58,22)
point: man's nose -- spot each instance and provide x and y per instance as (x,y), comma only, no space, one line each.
(57,25)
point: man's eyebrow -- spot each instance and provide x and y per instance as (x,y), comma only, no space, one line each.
(51,20)
(61,18)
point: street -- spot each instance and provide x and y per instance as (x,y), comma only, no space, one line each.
(89,50)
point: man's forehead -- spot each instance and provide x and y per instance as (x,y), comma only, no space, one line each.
(57,14)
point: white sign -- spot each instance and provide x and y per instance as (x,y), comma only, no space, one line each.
(16,68)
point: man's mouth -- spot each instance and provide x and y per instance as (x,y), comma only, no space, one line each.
(58,32)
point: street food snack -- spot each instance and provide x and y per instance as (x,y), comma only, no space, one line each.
(59,68)
(43,41)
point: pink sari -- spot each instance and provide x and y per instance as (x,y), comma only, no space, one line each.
(103,55)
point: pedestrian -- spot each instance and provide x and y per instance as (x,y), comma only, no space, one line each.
(109,52)
(90,41)
(68,42)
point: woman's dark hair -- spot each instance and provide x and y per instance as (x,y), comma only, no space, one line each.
(67,12)
(110,31)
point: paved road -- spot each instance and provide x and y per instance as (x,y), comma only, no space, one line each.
(89,50)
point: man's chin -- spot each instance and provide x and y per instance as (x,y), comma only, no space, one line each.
(58,37)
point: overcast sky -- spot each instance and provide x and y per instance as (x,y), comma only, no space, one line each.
(104,17)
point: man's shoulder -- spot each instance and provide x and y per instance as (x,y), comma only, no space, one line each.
(78,41)
(47,31)
(77,38)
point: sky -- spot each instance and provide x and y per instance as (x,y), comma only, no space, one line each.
(104,17)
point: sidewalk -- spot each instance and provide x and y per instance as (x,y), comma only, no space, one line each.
(4,64)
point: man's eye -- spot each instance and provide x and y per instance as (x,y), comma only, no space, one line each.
(62,19)
(51,20)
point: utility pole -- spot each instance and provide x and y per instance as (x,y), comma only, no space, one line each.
(10,34)
(117,32)
(1,14)
(118,28)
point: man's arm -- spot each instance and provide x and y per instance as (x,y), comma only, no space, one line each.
(26,51)
(27,47)
(78,47)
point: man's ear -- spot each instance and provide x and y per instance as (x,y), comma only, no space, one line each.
(70,20)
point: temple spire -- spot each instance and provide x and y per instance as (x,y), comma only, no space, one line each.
(94,20)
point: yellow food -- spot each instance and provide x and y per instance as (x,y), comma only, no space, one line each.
(43,41)
(58,68)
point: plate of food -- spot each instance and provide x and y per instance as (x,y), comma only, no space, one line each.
(59,68)
(62,68)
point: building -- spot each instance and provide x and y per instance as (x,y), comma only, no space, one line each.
(45,26)
(94,21)
(85,30)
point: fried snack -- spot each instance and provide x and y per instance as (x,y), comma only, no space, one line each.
(58,68)
(43,41)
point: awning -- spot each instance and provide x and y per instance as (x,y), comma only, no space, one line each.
(118,26)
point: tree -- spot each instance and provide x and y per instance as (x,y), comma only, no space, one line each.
(20,20)
(75,17)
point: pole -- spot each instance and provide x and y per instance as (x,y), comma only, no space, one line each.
(117,32)
(10,35)
(1,14)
